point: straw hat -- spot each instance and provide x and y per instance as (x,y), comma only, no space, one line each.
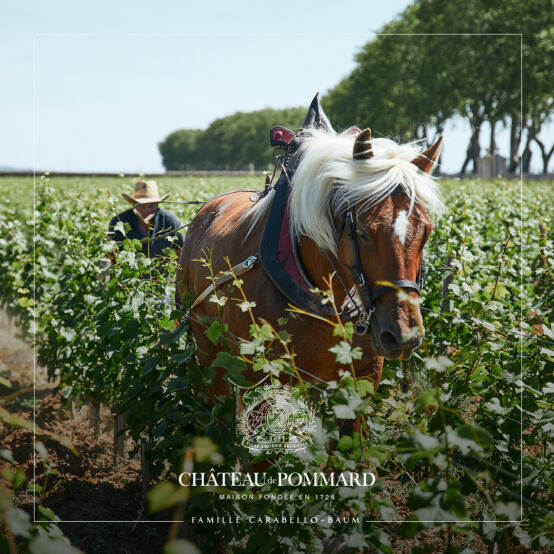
(146,192)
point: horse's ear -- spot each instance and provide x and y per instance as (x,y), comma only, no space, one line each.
(362,146)
(426,160)
(316,117)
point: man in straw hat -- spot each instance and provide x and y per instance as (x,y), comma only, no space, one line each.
(148,223)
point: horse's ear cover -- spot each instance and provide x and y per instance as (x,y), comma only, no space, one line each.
(427,160)
(316,117)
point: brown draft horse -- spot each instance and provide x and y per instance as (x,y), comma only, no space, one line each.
(384,186)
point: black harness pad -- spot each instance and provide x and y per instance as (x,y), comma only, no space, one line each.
(278,251)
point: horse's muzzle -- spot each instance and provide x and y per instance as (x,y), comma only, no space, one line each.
(393,344)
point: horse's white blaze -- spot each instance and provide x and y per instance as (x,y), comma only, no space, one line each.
(400,226)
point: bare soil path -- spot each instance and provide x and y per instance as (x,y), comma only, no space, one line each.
(89,487)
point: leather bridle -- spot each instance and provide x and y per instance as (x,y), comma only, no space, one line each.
(272,261)
(369,296)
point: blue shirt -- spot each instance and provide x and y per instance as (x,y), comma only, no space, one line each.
(163,222)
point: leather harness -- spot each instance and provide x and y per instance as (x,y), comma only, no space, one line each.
(272,261)
(278,251)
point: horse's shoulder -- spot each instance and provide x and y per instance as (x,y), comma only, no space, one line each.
(231,197)
(227,208)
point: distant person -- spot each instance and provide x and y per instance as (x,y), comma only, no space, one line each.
(149,224)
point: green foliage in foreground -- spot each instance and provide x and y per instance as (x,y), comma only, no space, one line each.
(476,417)
(18,531)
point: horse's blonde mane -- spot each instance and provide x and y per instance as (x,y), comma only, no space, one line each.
(328,181)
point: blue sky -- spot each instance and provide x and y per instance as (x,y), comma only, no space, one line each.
(108,80)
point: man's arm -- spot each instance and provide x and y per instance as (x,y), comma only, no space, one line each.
(180,239)
(175,224)
(171,221)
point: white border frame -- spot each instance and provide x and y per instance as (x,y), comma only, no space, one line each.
(34,109)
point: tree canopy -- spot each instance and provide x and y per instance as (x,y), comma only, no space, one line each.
(440,59)
(437,59)
(238,141)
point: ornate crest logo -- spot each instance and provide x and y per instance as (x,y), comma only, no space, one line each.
(275,419)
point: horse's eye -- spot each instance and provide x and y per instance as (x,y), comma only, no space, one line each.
(364,235)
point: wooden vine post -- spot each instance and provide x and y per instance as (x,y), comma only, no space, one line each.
(146,474)
(94,417)
(118,438)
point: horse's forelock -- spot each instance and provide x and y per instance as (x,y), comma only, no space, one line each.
(328,181)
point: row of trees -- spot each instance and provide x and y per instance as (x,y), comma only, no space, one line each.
(411,79)
(238,141)
(437,60)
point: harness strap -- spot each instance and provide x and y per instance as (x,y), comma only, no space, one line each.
(357,309)
(229,275)
(403,284)
(370,296)
(357,269)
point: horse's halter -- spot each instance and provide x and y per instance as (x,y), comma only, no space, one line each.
(369,296)
(287,139)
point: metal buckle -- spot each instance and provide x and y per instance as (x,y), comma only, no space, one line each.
(249,262)
(279,153)
(421,276)
(362,325)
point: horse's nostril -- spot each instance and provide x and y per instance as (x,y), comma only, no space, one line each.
(388,340)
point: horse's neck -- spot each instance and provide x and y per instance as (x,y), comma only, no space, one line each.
(319,269)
